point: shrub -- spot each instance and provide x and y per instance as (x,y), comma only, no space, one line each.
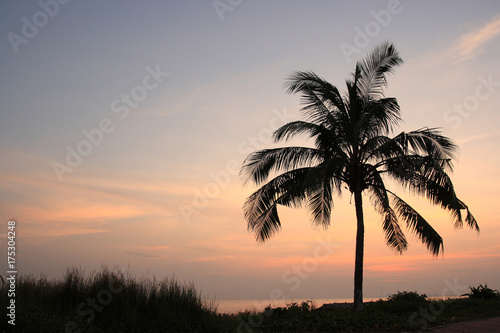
(407,296)
(401,302)
(482,292)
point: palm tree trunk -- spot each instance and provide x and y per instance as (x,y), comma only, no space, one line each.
(358,265)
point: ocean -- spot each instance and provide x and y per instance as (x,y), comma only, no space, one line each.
(231,306)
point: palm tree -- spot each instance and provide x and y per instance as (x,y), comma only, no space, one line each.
(352,150)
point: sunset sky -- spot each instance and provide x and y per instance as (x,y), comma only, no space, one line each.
(123,126)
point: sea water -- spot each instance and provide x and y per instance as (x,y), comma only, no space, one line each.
(231,306)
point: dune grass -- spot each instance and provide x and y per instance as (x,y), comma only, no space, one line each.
(108,301)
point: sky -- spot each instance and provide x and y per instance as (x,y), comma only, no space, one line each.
(123,126)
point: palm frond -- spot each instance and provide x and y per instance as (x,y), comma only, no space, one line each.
(469,219)
(418,225)
(321,182)
(320,203)
(394,235)
(428,141)
(258,165)
(370,73)
(379,117)
(426,176)
(380,148)
(293,128)
(260,209)
(322,102)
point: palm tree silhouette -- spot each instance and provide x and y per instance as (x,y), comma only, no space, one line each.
(353,151)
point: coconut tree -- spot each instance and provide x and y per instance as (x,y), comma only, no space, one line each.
(354,149)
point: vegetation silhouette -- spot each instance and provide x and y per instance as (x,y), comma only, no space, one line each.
(109,301)
(482,292)
(353,150)
(113,301)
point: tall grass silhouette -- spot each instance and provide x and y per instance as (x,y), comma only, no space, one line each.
(110,301)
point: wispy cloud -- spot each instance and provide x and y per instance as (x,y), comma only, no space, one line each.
(146,255)
(156,247)
(482,136)
(216,258)
(472,44)
(463,48)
